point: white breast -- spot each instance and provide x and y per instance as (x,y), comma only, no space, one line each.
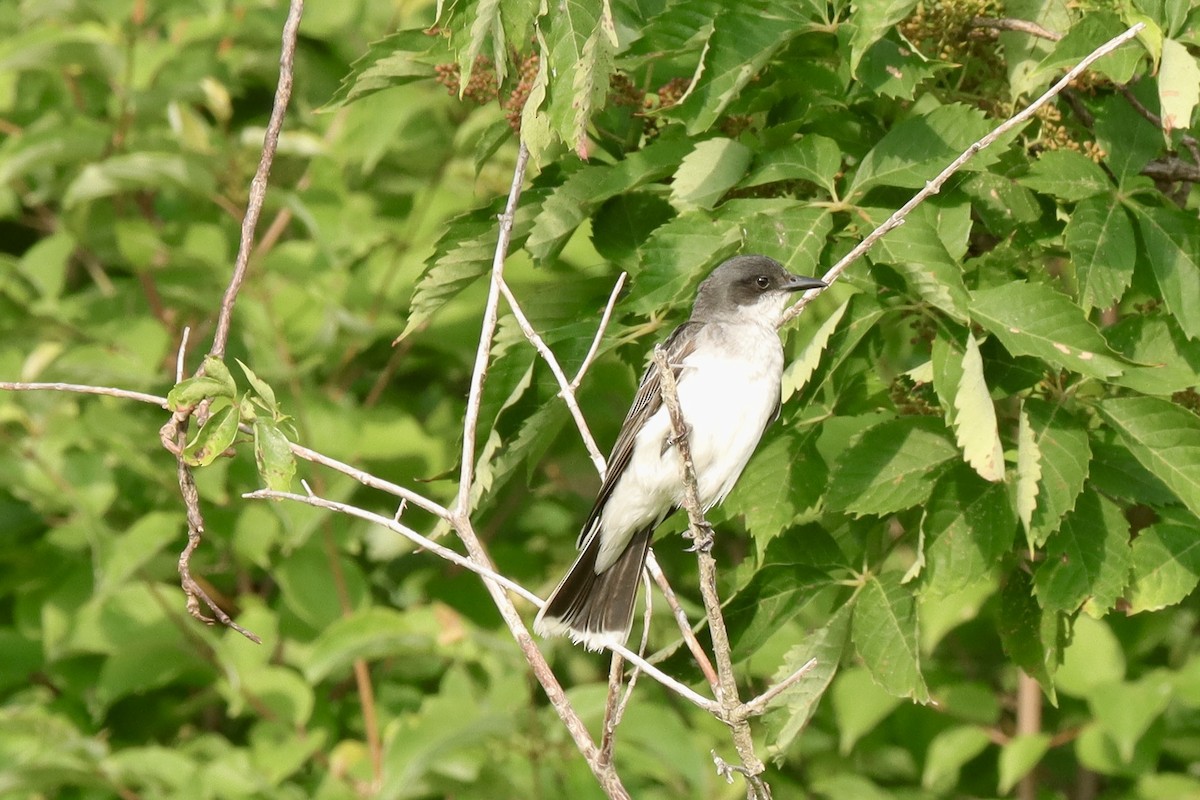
(727,394)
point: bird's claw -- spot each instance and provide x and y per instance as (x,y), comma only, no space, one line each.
(702,538)
(674,440)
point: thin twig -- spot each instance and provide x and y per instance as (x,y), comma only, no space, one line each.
(685,626)
(591,353)
(486,335)
(1188,141)
(701,532)
(757,705)
(182,353)
(124,394)
(258,186)
(612,703)
(935,185)
(565,392)
(408,533)
(1018,25)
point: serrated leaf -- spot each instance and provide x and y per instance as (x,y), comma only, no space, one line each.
(917,249)
(790,232)
(580,60)
(796,374)
(1172,240)
(871,21)
(1018,756)
(1166,564)
(743,38)
(1089,32)
(1029,474)
(261,387)
(1087,559)
(1065,453)
(191,391)
(1168,361)
(975,425)
(915,150)
(1033,319)
(813,158)
(1128,140)
(484,25)
(892,69)
(536,130)
(778,592)
(1116,472)
(968,526)
(790,714)
(394,61)
(675,256)
(885,636)
(1126,710)
(890,467)
(273,456)
(1178,86)
(214,438)
(765,494)
(1033,638)
(1164,438)
(704,176)
(573,201)
(1103,249)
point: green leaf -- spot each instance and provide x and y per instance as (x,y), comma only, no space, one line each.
(1094,657)
(896,70)
(1064,456)
(1018,756)
(916,149)
(261,387)
(214,438)
(968,526)
(1164,438)
(797,373)
(790,713)
(398,59)
(765,493)
(871,21)
(190,391)
(1087,559)
(1168,361)
(1166,564)
(859,705)
(1103,249)
(949,751)
(1032,319)
(139,171)
(1092,30)
(975,425)
(704,176)
(1029,474)
(370,633)
(1178,86)
(674,258)
(485,25)
(121,557)
(920,253)
(1125,711)
(891,467)
(1128,140)
(813,158)
(581,51)
(569,204)
(215,368)
(273,456)
(1033,638)
(885,636)
(743,38)
(1172,240)
(789,232)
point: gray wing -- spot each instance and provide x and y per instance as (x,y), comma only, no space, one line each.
(646,403)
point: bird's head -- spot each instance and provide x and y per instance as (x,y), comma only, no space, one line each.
(754,288)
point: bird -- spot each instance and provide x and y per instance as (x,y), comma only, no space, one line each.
(728,364)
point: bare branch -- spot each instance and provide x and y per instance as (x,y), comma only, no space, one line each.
(258,186)
(124,394)
(1018,25)
(565,392)
(488,332)
(757,705)
(591,353)
(402,529)
(701,532)
(935,185)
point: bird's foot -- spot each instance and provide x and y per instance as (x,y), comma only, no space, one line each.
(671,441)
(702,538)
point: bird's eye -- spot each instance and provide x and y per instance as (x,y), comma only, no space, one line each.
(763,282)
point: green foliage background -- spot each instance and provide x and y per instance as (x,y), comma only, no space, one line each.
(988,461)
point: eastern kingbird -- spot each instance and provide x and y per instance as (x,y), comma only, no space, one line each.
(728,363)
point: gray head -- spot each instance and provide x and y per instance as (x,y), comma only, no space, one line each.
(751,287)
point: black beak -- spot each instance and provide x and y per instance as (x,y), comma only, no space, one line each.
(798,283)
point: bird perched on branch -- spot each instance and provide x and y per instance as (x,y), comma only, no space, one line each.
(728,364)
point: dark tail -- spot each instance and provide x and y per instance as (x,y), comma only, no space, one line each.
(596,610)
